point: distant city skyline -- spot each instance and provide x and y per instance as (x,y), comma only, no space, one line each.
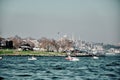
(89,20)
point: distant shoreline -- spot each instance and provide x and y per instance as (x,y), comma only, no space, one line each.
(45,55)
(12,52)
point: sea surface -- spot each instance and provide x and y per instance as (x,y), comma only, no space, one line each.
(57,68)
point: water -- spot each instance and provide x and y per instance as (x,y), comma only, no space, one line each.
(57,68)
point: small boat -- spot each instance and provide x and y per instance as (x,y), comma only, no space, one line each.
(32,58)
(0,57)
(72,58)
(110,54)
(95,57)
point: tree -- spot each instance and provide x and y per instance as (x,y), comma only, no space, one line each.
(49,44)
(65,43)
(16,41)
(55,44)
(44,43)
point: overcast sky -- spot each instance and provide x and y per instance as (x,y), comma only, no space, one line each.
(89,20)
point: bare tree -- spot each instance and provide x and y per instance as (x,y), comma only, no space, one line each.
(65,44)
(55,44)
(31,44)
(16,41)
(49,44)
(44,43)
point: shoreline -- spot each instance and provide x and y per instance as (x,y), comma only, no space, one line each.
(12,52)
(47,55)
(9,52)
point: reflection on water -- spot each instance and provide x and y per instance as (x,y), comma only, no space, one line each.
(57,68)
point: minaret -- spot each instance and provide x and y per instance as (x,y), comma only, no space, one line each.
(73,38)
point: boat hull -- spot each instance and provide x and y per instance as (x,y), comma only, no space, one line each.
(72,59)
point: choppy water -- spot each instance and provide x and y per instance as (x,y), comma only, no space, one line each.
(57,68)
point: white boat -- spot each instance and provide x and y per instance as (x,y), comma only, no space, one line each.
(95,57)
(0,57)
(72,58)
(109,54)
(32,58)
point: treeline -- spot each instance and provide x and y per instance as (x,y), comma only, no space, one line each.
(42,43)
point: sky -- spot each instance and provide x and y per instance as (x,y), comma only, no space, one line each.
(89,20)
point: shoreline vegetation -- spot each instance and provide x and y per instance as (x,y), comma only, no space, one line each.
(12,52)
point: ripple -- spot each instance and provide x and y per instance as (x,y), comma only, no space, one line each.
(48,72)
(111,75)
(39,79)
(113,64)
(24,75)
(54,77)
(117,71)
(1,78)
(57,68)
(92,70)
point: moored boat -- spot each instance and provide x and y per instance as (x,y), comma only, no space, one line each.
(72,58)
(110,54)
(95,57)
(32,58)
(0,57)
